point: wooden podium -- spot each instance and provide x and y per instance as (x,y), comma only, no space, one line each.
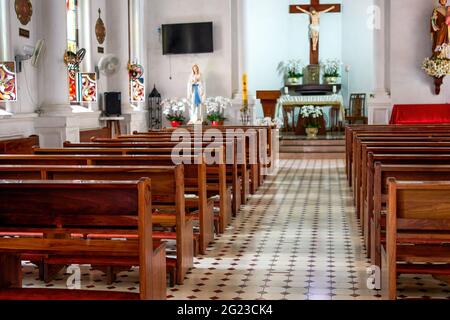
(269,100)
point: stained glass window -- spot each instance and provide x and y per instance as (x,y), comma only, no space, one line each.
(72,25)
(8,84)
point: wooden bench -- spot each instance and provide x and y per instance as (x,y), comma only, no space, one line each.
(19,146)
(247,174)
(55,207)
(417,231)
(393,159)
(351,132)
(194,176)
(167,197)
(384,172)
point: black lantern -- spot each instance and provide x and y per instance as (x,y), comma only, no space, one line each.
(155,110)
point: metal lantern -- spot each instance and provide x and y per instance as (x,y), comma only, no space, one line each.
(155,110)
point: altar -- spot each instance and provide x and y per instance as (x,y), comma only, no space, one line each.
(288,105)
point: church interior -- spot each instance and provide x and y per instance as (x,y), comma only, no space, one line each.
(227,150)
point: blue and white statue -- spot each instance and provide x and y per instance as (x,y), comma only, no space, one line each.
(196,93)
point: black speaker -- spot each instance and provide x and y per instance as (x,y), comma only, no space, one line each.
(113,104)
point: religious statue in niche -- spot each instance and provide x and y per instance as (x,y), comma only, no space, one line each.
(314,26)
(196,93)
(438,66)
(24,11)
(100,28)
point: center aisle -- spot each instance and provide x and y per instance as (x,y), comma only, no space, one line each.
(298,238)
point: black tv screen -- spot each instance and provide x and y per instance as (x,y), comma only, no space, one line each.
(187,38)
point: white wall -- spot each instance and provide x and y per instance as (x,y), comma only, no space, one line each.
(410,44)
(357,48)
(273,35)
(216,67)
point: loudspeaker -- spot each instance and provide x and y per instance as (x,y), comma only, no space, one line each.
(113,104)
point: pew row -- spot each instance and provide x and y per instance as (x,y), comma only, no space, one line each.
(55,207)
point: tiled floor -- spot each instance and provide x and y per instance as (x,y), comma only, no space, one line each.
(298,238)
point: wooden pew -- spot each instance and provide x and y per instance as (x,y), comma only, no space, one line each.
(19,146)
(167,196)
(394,159)
(384,172)
(55,207)
(418,231)
(194,174)
(360,192)
(239,179)
(351,132)
(132,148)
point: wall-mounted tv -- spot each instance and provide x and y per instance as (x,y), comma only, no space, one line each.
(187,38)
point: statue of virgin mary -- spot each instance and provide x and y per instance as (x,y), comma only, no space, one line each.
(196,93)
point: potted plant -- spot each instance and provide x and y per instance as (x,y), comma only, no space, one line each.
(438,67)
(215,109)
(174,109)
(331,71)
(312,116)
(292,70)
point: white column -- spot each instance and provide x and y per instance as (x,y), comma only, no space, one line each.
(128,14)
(379,106)
(54,86)
(58,122)
(234,115)
(6,53)
(117,13)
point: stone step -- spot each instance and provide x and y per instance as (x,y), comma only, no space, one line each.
(301,142)
(312,149)
(318,156)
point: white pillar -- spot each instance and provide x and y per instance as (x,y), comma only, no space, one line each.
(117,11)
(379,106)
(233,115)
(54,85)
(59,122)
(6,52)
(129,48)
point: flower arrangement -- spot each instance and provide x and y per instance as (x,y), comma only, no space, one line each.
(174,109)
(436,67)
(312,115)
(291,68)
(331,68)
(215,108)
(269,122)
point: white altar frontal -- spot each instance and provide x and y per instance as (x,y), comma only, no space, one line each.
(287,106)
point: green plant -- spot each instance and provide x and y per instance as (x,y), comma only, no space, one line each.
(291,68)
(331,68)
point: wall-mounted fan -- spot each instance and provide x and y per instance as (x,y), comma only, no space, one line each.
(108,65)
(29,52)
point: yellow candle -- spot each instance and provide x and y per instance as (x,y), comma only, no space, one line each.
(245,89)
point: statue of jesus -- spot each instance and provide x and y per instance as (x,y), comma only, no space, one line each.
(314,27)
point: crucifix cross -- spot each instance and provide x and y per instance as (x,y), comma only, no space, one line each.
(314,10)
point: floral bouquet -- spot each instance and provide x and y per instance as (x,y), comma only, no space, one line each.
(438,66)
(291,69)
(331,68)
(174,109)
(269,122)
(312,115)
(215,108)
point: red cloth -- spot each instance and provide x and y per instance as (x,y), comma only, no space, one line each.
(421,114)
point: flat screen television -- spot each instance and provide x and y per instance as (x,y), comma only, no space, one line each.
(184,38)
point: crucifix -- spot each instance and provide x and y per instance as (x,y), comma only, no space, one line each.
(314,10)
